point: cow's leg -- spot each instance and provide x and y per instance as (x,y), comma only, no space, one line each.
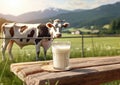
(9,47)
(46,45)
(37,51)
(45,52)
(4,46)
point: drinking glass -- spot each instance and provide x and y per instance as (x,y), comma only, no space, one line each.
(61,54)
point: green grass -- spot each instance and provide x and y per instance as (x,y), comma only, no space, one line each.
(93,47)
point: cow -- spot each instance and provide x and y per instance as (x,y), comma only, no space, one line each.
(31,34)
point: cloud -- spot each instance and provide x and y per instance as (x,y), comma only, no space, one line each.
(87,4)
(74,4)
(58,3)
(103,2)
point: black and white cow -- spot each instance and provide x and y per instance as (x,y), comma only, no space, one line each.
(31,34)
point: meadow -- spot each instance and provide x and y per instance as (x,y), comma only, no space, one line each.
(93,47)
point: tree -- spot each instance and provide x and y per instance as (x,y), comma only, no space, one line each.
(115,26)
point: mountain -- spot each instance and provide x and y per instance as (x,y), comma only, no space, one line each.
(47,13)
(97,16)
(77,18)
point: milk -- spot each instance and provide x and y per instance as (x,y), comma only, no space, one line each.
(61,53)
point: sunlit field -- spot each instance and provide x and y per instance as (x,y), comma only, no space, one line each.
(93,47)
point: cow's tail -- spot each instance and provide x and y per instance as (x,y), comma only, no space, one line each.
(10,44)
(2,31)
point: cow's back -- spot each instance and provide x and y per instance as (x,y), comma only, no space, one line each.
(22,34)
(18,30)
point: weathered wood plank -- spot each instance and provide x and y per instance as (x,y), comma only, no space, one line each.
(27,68)
(82,76)
(24,64)
(78,62)
(86,71)
(97,61)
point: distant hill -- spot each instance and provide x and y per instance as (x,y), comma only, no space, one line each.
(97,16)
(8,17)
(34,15)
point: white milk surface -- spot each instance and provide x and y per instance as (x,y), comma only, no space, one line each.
(61,55)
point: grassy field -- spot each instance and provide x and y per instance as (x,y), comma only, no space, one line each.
(93,47)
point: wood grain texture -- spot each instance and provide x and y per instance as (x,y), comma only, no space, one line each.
(85,71)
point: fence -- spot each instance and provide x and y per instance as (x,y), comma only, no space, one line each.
(82,39)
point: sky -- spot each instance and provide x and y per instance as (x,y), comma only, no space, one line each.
(17,7)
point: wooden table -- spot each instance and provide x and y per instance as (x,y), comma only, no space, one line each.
(86,71)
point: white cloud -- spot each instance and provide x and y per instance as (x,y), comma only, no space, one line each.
(87,4)
(103,2)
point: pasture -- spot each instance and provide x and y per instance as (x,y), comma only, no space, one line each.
(93,47)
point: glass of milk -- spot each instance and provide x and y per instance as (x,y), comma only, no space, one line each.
(61,54)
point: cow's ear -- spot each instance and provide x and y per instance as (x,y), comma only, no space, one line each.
(66,24)
(49,25)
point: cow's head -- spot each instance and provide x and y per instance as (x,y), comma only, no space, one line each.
(56,27)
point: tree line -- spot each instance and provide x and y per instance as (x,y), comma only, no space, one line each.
(113,27)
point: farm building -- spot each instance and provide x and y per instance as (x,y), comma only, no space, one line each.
(76,32)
